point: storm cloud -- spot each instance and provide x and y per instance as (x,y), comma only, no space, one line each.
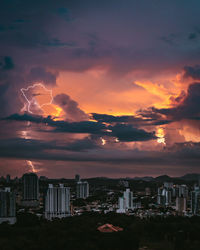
(189,108)
(118,73)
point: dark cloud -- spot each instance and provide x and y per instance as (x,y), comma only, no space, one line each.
(3,90)
(192,36)
(44,38)
(123,132)
(189,108)
(57,43)
(114,119)
(147,118)
(178,155)
(50,36)
(70,107)
(170,39)
(7,63)
(27,145)
(127,133)
(41,30)
(193,72)
(62,126)
(40,74)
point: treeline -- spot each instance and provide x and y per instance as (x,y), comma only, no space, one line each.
(80,233)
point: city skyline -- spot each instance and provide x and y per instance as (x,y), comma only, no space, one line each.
(100,88)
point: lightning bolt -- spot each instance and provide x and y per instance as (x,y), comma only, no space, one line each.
(27,107)
(30,164)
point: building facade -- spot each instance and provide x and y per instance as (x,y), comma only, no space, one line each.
(195,201)
(57,202)
(82,189)
(181,205)
(30,186)
(126,202)
(7,206)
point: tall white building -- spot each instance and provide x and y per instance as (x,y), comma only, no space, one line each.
(121,205)
(164,197)
(82,189)
(125,202)
(7,206)
(128,197)
(168,197)
(57,202)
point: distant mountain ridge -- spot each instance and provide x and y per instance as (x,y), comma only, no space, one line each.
(161,178)
(190,177)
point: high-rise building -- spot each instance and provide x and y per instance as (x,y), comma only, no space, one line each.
(121,205)
(30,189)
(82,189)
(57,202)
(195,200)
(164,197)
(168,197)
(7,206)
(128,196)
(159,196)
(175,191)
(126,202)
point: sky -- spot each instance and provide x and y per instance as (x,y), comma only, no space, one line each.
(99,88)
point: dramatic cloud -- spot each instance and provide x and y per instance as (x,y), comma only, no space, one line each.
(114,88)
(143,118)
(129,133)
(189,108)
(7,63)
(116,119)
(193,72)
(122,132)
(39,74)
(183,155)
(62,126)
(70,107)
(19,145)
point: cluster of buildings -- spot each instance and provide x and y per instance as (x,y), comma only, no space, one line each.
(178,198)
(169,193)
(56,198)
(128,202)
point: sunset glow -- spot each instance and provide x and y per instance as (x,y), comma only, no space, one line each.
(107,89)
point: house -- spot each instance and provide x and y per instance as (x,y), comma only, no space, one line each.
(109,228)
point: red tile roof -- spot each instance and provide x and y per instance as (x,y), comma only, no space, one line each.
(109,228)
